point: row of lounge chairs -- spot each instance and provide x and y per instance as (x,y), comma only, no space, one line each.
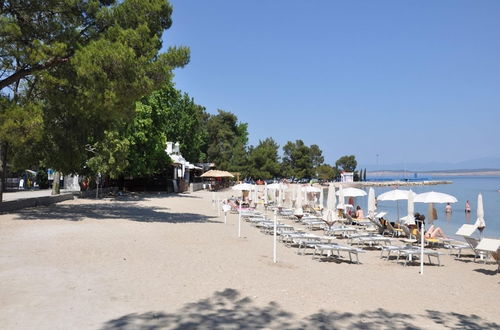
(370,234)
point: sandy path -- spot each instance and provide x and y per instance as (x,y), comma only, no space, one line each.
(168,261)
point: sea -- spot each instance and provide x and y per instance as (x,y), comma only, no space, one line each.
(463,188)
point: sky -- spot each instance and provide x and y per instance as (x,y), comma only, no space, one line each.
(387,81)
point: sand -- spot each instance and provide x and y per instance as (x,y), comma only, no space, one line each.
(168,261)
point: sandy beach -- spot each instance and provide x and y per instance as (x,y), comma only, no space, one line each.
(168,261)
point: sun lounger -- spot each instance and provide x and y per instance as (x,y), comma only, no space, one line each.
(456,246)
(373,240)
(313,223)
(341,231)
(473,245)
(291,238)
(491,246)
(394,248)
(414,253)
(320,249)
(410,238)
(305,241)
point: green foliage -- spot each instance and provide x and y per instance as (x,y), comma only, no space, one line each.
(42,178)
(356,176)
(300,160)
(316,155)
(263,160)
(325,172)
(347,163)
(364,175)
(20,131)
(138,148)
(87,63)
(181,119)
(226,142)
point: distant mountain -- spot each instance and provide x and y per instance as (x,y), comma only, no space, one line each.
(491,163)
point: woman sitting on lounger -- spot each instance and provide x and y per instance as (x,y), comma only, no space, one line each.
(434,232)
(359,213)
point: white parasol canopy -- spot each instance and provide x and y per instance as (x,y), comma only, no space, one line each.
(321,197)
(480,224)
(430,197)
(311,189)
(331,200)
(280,198)
(340,193)
(298,203)
(265,194)
(372,208)
(276,186)
(243,186)
(410,218)
(395,195)
(352,192)
(434,197)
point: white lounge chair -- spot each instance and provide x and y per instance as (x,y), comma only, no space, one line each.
(491,246)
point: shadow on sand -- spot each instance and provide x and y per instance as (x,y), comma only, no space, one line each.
(110,211)
(228,310)
(141,196)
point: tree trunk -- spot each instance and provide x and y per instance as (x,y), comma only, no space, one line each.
(3,174)
(56,183)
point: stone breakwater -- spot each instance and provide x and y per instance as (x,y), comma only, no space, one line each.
(392,183)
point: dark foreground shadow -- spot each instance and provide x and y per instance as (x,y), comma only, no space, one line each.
(108,211)
(141,196)
(228,310)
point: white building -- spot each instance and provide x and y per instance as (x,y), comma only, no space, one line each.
(347,177)
(181,167)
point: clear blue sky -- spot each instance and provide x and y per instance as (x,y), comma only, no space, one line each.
(410,81)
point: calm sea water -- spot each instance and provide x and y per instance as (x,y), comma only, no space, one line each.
(463,188)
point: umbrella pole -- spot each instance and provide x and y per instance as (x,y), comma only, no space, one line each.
(422,229)
(239,221)
(274,238)
(218,206)
(397,208)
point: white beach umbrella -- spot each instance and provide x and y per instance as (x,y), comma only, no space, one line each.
(430,197)
(243,187)
(265,193)
(280,198)
(480,223)
(321,197)
(340,193)
(312,189)
(352,192)
(434,197)
(331,201)
(396,195)
(298,203)
(372,208)
(276,186)
(410,218)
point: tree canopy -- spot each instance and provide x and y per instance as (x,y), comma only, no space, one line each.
(263,160)
(227,142)
(300,160)
(347,163)
(86,63)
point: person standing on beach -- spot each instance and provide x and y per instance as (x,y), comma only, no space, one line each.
(448,208)
(467,207)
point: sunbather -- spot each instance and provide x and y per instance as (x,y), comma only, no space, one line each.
(434,232)
(359,213)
